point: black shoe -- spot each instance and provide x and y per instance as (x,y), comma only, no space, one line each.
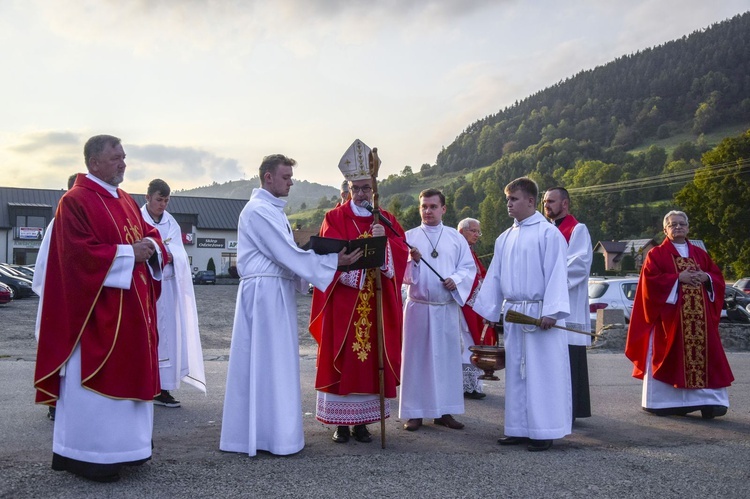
(713,411)
(512,440)
(51,413)
(361,434)
(341,435)
(539,445)
(166,400)
(673,411)
(474,395)
(104,473)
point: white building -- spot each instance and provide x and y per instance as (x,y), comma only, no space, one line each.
(209,225)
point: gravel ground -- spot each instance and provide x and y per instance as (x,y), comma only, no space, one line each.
(619,452)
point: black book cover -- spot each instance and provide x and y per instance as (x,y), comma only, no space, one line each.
(373,250)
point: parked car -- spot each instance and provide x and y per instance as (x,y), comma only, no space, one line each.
(616,293)
(743,285)
(28,272)
(735,306)
(20,285)
(6,294)
(204,277)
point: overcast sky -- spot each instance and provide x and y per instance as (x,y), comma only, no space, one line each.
(200,90)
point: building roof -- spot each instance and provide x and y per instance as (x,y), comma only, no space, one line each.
(611,246)
(210,213)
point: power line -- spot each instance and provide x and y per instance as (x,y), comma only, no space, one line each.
(663,179)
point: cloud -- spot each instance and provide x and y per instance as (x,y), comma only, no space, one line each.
(45,141)
(45,159)
(179,162)
(237,27)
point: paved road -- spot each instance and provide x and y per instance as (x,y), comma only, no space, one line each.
(619,452)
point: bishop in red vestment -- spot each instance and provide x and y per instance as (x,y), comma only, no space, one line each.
(673,338)
(343,319)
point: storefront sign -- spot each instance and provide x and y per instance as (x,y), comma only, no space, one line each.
(211,242)
(30,232)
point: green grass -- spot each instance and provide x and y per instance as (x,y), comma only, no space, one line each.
(712,138)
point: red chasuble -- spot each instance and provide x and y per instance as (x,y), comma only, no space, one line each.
(343,319)
(473,319)
(116,328)
(687,350)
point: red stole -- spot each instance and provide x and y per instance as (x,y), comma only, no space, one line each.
(116,328)
(343,319)
(566,227)
(473,319)
(687,350)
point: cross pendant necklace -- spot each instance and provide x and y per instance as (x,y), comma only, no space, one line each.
(434,253)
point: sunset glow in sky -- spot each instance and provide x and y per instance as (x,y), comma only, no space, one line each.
(200,90)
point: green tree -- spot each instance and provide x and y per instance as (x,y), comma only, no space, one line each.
(211,265)
(718,204)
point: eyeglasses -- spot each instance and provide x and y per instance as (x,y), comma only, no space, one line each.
(677,224)
(364,189)
(475,231)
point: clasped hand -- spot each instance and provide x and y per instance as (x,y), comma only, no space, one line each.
(693,277)
(143,249)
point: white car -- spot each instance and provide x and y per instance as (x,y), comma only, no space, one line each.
(615,293)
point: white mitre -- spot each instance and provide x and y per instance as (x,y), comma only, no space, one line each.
(355,163)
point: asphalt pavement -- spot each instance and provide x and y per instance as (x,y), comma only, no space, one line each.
(620,451)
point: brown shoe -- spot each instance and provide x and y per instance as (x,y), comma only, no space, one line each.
(413,424)
(447,420)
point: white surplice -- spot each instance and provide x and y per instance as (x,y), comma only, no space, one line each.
(180,352)
(579,259)
(431,375)
(263,403)
(528,274)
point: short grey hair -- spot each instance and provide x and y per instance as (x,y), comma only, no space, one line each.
(674,213)
(96,145)
(464,224)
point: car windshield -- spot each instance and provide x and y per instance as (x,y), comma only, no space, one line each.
(597,289)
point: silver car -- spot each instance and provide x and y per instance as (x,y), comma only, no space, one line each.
(615,293)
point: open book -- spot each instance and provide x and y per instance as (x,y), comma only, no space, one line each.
(373,250)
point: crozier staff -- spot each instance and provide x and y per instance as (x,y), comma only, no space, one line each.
(348,318)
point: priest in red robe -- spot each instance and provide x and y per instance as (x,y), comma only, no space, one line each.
(673,339)
(472,324)
(343,319)
(97,359)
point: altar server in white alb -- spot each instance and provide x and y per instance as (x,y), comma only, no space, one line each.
(580,255)
(263,403)
(528,274)
(431,374)
(180,352)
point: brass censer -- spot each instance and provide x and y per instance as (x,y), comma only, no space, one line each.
(488,358)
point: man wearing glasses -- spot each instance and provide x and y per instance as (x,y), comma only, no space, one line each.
(343,318)
(472,324)
(673,338)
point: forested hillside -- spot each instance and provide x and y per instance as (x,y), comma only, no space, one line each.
(304,195)
(623,138)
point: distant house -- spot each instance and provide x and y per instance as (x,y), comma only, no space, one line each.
(615,251)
